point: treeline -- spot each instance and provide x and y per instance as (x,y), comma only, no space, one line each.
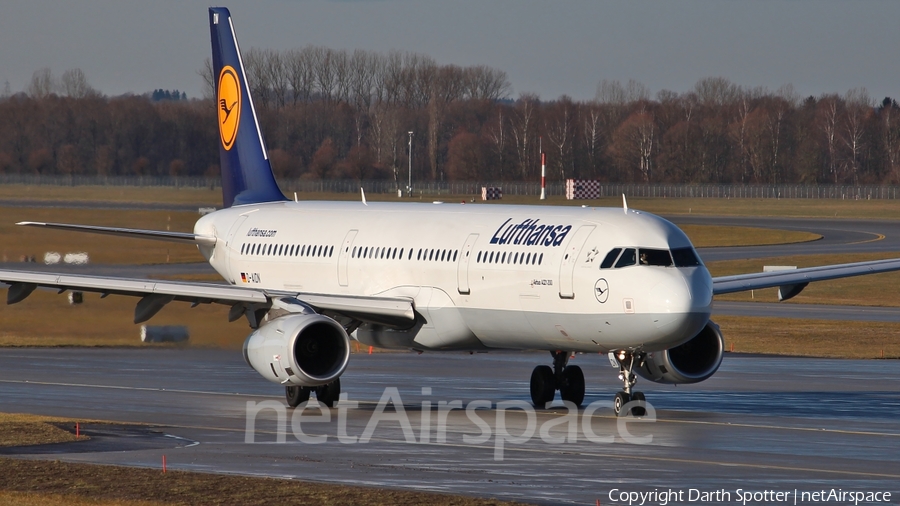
(338,114)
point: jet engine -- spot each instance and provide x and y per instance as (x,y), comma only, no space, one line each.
(299,350)
(691,362)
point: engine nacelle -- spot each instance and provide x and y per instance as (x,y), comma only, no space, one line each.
(691,362)
(299,350)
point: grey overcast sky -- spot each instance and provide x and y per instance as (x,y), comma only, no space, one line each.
(547,47)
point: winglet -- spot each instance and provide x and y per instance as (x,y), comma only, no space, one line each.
(363,193)
(624,204)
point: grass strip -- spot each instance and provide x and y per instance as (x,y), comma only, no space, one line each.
(137,486)
(810,338)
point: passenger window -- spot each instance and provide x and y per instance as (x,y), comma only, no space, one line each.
(629,257)
(610,258)
(657,257)
(685,257)
(492,258)
(454,255)
(541,259)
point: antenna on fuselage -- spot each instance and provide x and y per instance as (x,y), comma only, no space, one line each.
(624,204)
(363,193)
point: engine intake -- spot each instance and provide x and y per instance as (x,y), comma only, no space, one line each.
(301,350)
(691,362)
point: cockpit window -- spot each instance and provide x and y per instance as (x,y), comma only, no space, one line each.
(658,257)
(610,258)
(685,257)
(629,257)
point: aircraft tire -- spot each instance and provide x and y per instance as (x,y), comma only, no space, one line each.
(543,386)
(619,402)
(330,393)
(639,408)
(572,388)
(296,395)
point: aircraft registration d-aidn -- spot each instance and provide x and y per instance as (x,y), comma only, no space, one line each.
(308,275)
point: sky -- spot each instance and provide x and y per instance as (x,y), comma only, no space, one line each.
(547,47)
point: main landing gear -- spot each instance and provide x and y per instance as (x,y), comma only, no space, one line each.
(326,394)
(627,361)
(569,380)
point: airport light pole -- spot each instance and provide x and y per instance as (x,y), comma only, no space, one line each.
(409,184)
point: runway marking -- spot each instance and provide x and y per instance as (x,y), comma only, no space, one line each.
(878,237)
(118,387)
(558,449)
(514,412)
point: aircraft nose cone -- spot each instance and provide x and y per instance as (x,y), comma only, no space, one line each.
(680,295)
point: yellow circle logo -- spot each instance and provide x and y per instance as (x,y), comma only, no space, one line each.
(229,106)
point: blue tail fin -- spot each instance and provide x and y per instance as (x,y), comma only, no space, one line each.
(246,174)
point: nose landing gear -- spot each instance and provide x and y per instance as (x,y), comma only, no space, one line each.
(627,361)
(568,379)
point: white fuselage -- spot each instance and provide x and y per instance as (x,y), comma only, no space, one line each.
(481,276)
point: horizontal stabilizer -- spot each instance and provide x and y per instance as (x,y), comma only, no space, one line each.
(158,235)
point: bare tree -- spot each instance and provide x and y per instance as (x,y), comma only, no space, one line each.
(486,83)
(342,75)
(559,124)
(362,78)
(828,113)
(890,128)
(591,135)
(257,77)
(209,79)
(42,84)
(858,105)
(634,143)
(523,131)
(75,84)
(496,132)
(716,91)
(739,135)
(323,70)
(301,75)
(277,76)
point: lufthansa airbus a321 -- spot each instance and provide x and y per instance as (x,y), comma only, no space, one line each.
(309,277)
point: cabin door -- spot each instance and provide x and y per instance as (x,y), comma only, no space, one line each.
(344,257)
(570,258)
(462,269)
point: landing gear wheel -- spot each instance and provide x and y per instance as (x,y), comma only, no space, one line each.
(296,395)
(620,401)
(640,403)
(329,394)
(543,386)
(572,387)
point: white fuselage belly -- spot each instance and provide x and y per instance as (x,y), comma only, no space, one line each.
(520,277)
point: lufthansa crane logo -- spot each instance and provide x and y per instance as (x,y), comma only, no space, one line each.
(601,290)
(229,106)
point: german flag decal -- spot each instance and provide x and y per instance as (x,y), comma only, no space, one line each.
(229,106)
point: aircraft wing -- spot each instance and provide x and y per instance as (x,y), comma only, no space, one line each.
(158,235)
(792,282)
(155,294)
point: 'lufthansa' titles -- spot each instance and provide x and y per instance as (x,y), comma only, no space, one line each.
(530,233)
